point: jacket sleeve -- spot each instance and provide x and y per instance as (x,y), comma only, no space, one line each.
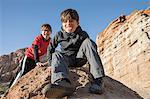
(36,56)
(51,49)
(85,35)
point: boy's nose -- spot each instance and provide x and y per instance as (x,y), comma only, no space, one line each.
(46,33)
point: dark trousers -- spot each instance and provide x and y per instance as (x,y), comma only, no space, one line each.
(87,53)
(25,66)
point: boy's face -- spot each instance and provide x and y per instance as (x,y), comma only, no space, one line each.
(70,25)
(46,34)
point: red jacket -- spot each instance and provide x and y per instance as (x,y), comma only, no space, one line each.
(42,47)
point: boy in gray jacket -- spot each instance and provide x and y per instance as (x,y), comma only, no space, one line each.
(76,49)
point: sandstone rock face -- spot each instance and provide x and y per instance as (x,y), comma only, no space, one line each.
(9,63)
(8,68)
(31,84)
(124,47)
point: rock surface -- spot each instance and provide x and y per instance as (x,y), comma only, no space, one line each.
(30,86)
(124,47)
(8,68)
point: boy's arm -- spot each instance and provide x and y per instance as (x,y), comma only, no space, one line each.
(51,48)
(36,56)
(35,46)
(85,35)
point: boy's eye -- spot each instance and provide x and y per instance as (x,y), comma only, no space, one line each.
(46,30)
(65,21)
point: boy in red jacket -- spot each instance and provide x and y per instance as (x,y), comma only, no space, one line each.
(35,54)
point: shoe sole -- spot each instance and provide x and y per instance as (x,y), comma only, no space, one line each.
(58,92)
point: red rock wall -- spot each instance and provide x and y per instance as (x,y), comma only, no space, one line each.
(124,47)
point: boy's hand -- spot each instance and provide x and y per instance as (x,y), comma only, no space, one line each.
(39,64)
(46,63)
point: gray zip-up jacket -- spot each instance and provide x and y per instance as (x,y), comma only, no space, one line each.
(69,42)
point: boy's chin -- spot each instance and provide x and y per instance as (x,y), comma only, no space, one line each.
(46,38)
(69,31)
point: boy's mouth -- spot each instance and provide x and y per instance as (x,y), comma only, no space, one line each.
(70,27)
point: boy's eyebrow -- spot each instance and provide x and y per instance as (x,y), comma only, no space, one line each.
(64,20)
(46,30)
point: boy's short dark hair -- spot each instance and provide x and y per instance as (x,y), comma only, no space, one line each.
(46,27)
(69,14)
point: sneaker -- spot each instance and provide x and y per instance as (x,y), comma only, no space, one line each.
(96,86)
(58,90)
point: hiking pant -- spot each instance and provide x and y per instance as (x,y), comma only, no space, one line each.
(25,66)
(87,53)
